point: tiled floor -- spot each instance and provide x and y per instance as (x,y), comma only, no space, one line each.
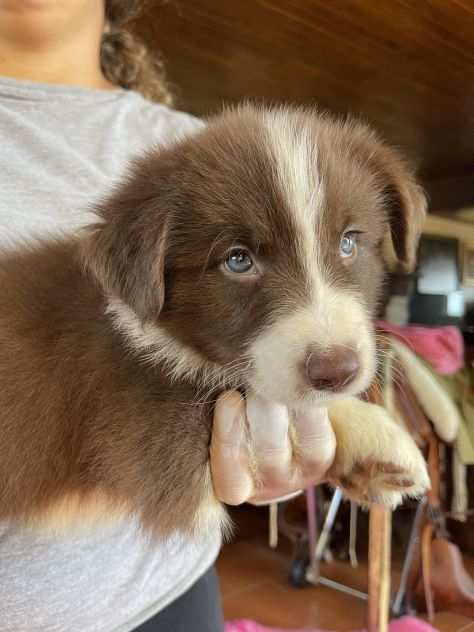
(254,583)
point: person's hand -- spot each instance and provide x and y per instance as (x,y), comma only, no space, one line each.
(256,454)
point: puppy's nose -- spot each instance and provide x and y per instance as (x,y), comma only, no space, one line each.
(332,370)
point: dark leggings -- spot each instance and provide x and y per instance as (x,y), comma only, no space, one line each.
(198,610)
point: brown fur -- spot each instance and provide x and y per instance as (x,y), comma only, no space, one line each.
(82,415)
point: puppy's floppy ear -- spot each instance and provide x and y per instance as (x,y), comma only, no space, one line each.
(402,195)
(126,250)
(406,202)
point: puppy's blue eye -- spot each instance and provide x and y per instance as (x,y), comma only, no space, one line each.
(348,245)
(239,261)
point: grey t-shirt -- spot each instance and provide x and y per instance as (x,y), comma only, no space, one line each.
(62,147)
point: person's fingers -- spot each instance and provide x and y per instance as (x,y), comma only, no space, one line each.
(230,467)
(263,498)
(252,457)
(314,443)
(310,456)
(270,446)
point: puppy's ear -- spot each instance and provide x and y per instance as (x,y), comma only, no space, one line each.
(126,250)
(402,195)
(406,202)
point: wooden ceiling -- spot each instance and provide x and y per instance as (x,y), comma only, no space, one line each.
(407,66)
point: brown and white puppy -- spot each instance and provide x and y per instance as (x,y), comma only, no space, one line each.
(246,256)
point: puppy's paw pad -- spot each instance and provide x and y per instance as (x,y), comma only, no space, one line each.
(372,481)
(385,474)
(376,460)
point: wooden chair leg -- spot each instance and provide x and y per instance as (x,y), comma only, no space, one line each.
(380,531)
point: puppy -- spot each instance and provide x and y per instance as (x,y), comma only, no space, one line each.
(247,256)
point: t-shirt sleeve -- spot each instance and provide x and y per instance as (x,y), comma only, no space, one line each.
(171,125)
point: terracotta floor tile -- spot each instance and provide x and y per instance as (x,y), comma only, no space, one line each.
(254,585)
(451,622)
(274,605)
(245,564)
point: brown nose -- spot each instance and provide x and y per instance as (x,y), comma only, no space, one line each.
(332,370)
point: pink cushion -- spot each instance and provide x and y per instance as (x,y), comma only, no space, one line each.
(442,347)
(405,624)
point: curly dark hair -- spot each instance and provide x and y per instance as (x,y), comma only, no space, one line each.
(124,58)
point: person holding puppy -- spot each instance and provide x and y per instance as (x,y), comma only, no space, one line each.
(79,96)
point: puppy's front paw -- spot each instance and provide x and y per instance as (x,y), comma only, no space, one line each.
(377,481)
(376,459)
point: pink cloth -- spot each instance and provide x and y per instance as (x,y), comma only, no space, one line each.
(442,347)
(405,624)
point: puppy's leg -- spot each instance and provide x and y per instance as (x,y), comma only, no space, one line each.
(376,459)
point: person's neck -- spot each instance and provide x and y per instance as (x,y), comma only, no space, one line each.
(53,66)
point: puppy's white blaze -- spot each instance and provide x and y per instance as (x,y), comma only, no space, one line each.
(295,154)
(279,354)
(156,346)
(332,317)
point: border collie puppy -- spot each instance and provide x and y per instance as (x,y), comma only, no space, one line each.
(246,256)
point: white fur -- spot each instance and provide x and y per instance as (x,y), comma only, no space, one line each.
(211,512)
(156,346)
(295,152)
(279,353)
(367,439)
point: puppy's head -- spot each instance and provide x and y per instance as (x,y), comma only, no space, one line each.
(251,251)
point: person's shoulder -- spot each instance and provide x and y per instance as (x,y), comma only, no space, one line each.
(161,123)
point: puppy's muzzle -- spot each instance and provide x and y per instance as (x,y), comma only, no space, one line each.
(331,370)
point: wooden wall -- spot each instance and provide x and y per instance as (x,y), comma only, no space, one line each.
(407,66)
